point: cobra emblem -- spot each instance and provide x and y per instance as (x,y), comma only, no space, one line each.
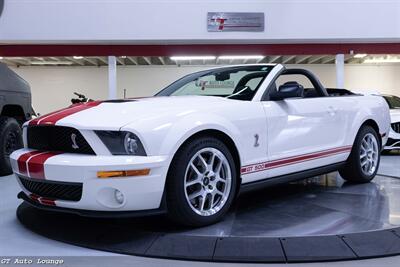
(256,143)
(73,139)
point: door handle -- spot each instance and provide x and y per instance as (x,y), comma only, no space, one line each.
(332,110)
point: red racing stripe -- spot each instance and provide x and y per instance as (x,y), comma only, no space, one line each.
(36,165)
(292,160)
(22,161)
(52,118)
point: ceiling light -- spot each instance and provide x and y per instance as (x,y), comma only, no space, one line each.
(382,60)
(51,63)
(1,57)
(241,57)
(177,58)
(78,57)
(360,55)
(122,56)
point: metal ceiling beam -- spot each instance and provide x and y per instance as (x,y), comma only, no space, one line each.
(287,59)
(102,60)
(133,60)
(148,60)
(273,59)
(312,60)
(301,59)
(328,59)
(76,61)
(161,59)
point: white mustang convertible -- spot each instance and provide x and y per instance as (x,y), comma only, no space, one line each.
(193,147)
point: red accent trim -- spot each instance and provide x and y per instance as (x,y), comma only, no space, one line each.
(22,161)
(47,201)
(197,49)
(42,200)
(52,118)
(36,164)
(292,160)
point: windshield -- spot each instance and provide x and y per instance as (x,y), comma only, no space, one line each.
(393,101)
(231,82)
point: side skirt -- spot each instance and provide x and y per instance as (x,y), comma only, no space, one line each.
(289,177)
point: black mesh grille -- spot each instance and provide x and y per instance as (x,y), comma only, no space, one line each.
(58,138)
(53,189)
(396,127)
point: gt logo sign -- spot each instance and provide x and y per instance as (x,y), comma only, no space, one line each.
(73,139)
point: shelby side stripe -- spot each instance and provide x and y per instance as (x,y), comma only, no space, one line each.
(257,167)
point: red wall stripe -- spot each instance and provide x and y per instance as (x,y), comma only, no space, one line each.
(30,50)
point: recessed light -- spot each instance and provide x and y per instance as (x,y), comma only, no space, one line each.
(1,57)
(233,57)
(360,55)
(122,56)
(177,58)
(78,57)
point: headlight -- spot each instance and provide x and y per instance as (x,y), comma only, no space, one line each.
(121,143)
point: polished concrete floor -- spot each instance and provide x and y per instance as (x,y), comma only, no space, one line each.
(15,240)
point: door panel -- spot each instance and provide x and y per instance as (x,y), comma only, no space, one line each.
(304,131)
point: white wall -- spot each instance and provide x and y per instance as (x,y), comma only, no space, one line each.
(160,21)
(52,87)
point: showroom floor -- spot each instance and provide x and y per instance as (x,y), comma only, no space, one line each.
(15,240)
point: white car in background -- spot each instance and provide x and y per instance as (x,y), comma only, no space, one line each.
(394,133)
(193,147)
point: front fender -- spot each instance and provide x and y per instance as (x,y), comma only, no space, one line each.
(190,125)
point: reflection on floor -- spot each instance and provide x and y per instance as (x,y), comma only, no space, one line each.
(16,240)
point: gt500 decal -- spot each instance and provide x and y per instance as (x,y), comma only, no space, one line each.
(292,160)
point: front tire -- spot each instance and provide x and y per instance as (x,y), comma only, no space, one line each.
(363,162)
(201,182)
(10,140)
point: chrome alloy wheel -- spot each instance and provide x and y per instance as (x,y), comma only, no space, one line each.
(208,180)
(369,153)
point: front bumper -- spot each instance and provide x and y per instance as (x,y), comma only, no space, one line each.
(140,192)
(393,141)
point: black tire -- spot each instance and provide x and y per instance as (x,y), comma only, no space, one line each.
(352,171)
(179,209)
(10,140)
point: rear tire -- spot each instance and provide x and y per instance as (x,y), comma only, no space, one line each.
(201,182)
(363,162)
(10,140)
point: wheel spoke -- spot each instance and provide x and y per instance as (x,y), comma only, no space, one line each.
(196,194)
(195,169)
(193,182)
(203,161)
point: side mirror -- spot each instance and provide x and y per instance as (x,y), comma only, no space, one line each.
(287,90)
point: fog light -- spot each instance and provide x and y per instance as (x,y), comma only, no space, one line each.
(119,197)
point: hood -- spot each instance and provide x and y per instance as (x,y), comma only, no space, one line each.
(114,114)
(395,115)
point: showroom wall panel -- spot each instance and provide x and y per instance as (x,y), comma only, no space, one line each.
(53,87)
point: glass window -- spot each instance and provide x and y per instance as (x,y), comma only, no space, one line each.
(231,82)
